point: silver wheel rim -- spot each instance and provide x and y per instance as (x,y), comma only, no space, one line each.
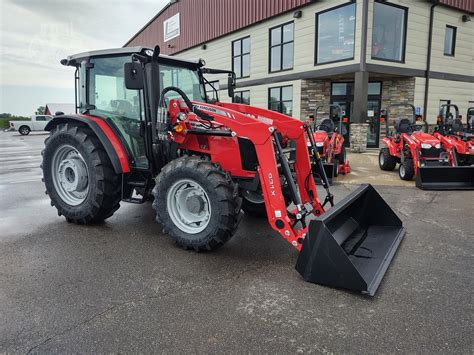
(70,175)
(24,130)
(402,171)
(381,159)
(188,206)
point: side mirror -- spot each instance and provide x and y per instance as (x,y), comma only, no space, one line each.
(133,73)
(231,85)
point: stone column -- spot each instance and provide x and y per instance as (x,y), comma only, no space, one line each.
(358,137)
(359,127)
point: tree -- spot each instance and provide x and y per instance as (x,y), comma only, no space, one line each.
(40,110)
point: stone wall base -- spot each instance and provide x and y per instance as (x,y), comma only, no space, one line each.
(358,138)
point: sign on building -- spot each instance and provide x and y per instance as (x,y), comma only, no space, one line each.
(171,27)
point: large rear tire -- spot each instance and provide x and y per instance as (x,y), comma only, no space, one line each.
(197,203)
(79,176)
(386,161)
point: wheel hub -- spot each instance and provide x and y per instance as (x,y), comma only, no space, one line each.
(70,175)
(189,206)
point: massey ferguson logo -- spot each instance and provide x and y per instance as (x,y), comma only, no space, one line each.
(214,110)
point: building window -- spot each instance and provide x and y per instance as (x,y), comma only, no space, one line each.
(449,40)
(212,88)
(389,32)
(241,57)
(335,34)
(280,99)
(242,97)
(281,47)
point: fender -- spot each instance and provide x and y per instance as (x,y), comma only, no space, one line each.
(104,133)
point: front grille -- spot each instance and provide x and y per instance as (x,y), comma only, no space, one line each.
(430,153)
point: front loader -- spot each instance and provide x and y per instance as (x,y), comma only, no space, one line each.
(144,125)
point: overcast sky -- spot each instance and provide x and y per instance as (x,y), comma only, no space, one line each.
(36,34)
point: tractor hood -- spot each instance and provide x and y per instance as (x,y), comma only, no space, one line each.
(422,137)
(320,136)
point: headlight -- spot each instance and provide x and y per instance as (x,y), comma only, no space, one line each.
(425,146)
(438,146)
(319,144)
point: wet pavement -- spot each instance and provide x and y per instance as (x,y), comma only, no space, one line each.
(123,286)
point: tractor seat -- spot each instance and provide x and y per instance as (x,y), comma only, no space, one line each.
(403,126)
(457,125)
(326,125)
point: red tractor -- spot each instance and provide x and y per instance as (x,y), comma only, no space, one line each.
(458,141)
(419,154)
(145,126)
(329,138)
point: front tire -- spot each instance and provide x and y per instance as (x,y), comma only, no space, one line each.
(406,170)
(386,161)
(24,130)
(253,204)
(79,176)
(197,203)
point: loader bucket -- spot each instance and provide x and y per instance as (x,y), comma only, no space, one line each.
(445,178)
(352,245)
(328,168)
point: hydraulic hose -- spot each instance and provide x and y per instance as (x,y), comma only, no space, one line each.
(188,102)
(324,179)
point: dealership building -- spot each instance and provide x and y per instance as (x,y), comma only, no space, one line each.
(294,55)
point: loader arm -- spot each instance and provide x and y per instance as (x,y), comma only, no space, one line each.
(261,127)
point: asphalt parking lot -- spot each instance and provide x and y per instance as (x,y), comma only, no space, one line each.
(123,286)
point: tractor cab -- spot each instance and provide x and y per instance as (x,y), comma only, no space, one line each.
(110,84)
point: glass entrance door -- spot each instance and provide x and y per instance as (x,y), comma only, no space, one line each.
(343,94)
(346,108)
(373,119)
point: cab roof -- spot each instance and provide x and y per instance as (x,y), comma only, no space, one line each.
(76,59)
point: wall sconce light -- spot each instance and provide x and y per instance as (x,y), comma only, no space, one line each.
(466,18)
(297,14)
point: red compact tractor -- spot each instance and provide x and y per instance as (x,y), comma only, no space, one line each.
(419,154)
(458,141)
(329,138)
(145,126)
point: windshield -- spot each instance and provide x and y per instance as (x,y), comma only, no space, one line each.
(183,78)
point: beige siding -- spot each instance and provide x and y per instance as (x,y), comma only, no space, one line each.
(463,60)
(460,93)
(420,95)
(417,39)
(259,95)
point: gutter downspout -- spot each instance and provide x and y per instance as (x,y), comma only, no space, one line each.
(428,62)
